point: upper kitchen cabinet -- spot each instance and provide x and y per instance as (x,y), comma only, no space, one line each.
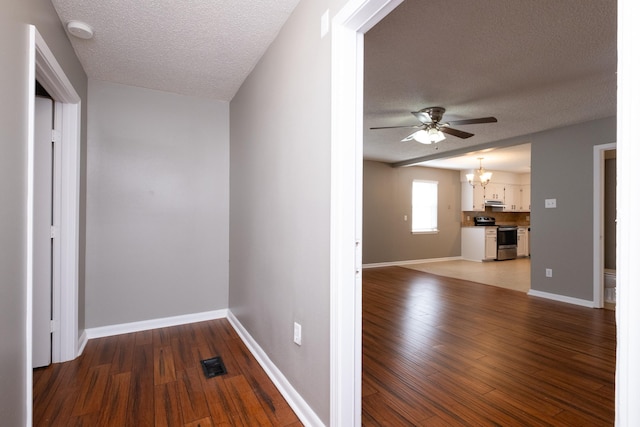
(525,199)
(472,197)
(512,189)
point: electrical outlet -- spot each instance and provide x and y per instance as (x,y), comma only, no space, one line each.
(297,333)
(549,272)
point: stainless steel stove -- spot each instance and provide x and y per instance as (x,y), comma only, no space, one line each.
(507,241)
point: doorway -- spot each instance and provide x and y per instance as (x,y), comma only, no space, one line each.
(66,344)
(604,222)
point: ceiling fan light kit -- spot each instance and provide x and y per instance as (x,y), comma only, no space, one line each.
(432,129)
(429,136)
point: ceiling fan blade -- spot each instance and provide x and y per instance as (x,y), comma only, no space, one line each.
(456,132)
(395,127)
(473,121)
(422,116)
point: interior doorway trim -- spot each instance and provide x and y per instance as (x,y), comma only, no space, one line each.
(347,74)
(44,67)
(598,222)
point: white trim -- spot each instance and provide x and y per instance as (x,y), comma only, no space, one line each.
(51,75)
(628,205)
(145,325)
(82,342)
(56,251)
(347,72)
(598,222)
(28,387)
(66,273)
(304,412)
(410,262)
(69,233)
(561,298)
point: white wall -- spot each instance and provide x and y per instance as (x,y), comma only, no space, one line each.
(157,205)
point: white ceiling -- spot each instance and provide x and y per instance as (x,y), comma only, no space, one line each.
(534,65)
(196,47)
(515,159)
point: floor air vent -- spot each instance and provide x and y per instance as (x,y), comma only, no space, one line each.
(213,367)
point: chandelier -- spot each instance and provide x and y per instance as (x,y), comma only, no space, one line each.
(483,176)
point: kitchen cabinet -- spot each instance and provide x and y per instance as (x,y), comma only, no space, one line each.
(523,241)
(491,243)
(525,198)
(512,190)
(472,197)
(494,191)
(479,243)
(512,198)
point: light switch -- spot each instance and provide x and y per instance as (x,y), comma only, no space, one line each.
(549,203)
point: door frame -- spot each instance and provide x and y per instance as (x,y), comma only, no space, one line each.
(598,222)
(347,74)
(44,67)
(66,200)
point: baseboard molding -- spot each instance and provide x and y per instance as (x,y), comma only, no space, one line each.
(82,343)
(307,416)
(145,325)
(413,261)
(561,298)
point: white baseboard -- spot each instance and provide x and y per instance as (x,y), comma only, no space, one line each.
(413,261)
(561,298)
(304,412)
(82,343)
(145,325)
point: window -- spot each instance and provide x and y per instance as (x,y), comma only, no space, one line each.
(424,203)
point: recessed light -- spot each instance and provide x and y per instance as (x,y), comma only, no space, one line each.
(80,29)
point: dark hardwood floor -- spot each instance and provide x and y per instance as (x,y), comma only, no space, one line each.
(154,378)
(446,352)
(436,352)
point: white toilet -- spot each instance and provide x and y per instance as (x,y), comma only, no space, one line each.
(609,285)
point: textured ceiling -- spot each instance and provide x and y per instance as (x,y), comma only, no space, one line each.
(193,47)
(534,65)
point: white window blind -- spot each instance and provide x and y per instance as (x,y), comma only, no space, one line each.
(424,201)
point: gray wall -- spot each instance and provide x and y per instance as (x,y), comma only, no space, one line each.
(280,200)
(562,238)
(14,62)
(386,198)
(157,205)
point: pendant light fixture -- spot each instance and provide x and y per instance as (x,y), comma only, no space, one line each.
(483,175)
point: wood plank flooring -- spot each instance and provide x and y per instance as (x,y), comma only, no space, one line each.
(439,351)
(154,378)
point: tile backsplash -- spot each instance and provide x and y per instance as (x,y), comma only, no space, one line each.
(502,218)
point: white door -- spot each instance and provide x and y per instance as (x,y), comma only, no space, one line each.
(42,243)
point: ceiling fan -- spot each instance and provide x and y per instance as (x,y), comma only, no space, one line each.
(432,130)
